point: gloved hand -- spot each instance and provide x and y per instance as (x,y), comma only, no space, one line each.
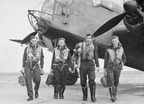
(22,70)
(122,64)
(42,71)
(117,61)
(79,51)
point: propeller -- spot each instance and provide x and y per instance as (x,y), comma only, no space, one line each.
(141,13)
(26,39)
(18,41)
(129,6)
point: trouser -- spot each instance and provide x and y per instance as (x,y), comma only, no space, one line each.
(32,75)
(59,77)
(87,67)
(113,75)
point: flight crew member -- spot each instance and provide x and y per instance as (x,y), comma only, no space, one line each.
(61,64)
(113,64)
(88,55)
(33,61)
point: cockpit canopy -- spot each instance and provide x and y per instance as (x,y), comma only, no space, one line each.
(41,19)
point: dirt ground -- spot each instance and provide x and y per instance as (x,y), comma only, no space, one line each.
(131,91)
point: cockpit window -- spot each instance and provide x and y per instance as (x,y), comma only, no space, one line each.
(114,5)
(47,10)
(62,10)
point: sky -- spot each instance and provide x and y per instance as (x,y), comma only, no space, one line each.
(14,24)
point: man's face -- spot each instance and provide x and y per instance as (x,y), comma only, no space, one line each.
(34,41)
(61,43)
(88,39)
(115,42)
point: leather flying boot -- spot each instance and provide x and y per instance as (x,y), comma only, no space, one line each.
(61,92)
(36,94)
(85,93)
(112,98)
(55,92)
(36,88)
(30,98)
(114,91)
(92,91)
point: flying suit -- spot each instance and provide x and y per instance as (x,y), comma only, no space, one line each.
(88,55)
(114,60)
(33,60)
(60,63)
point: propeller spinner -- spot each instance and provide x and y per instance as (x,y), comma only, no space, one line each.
(129,6)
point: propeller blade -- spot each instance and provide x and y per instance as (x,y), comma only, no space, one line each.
(18,41)
(109,24)
(141,13)
(27,38)
(129,7)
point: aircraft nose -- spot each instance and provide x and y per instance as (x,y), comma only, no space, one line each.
(130,6)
